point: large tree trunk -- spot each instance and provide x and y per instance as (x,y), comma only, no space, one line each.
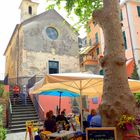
(117,98)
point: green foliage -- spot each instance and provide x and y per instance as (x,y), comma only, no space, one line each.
(1,90)
(135,74)
(82,8)
(2,133)
(137,97)
(75,103)
(2,130)
(3,94)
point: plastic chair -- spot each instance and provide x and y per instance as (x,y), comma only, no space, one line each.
(31,128)
(43,135)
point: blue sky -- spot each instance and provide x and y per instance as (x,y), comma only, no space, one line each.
(10,16)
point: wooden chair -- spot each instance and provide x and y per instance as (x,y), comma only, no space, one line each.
(43,135)
(31,128)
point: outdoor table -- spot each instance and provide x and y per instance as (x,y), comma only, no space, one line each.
(63,135)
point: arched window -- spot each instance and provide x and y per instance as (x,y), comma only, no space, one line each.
(30,10)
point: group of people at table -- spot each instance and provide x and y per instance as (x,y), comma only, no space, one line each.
(60,122)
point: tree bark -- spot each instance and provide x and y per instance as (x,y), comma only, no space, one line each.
(117,98)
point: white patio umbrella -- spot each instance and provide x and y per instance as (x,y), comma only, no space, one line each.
(81,83)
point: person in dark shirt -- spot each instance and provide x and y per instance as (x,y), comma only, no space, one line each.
(49,124)
(63,120)
(52,115)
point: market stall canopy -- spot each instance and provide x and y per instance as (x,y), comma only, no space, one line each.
(88,84)
(81,83)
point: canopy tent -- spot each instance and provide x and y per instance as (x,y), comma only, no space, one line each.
(81,83)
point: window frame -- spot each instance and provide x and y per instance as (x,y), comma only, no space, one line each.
(50,33)
(52,61)
(30,10)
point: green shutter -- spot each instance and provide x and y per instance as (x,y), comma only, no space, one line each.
(124,39)
(97,51)
(121,16)
(138,9)
(96,37)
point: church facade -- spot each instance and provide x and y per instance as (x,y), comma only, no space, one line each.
(40,44)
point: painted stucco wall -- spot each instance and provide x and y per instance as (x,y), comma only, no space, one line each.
(38,49)
(134,21)
(31,49)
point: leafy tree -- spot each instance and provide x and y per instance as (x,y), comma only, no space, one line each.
(135,74)
(116,91)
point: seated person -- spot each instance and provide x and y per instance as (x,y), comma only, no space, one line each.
(50,123)
(52,115)
(89,117)
(61,118)
(96,120)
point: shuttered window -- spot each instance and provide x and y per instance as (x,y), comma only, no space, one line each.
(138,9)
(124,39)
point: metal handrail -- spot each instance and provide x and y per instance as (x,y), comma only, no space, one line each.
(9,113)
(39,109)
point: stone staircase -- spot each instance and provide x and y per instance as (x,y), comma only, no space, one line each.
(22,113)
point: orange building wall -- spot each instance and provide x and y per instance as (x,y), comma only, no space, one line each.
(50,103)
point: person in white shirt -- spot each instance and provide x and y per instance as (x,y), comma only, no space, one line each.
(25,94)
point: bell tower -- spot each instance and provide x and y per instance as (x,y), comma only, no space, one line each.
(28,9)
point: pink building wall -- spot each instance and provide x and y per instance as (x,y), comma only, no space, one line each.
(131,22)
(50,103)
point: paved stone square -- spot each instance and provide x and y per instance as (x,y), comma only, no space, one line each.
(16,136)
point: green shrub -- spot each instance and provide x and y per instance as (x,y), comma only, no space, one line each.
(1,90)
(2,130)
(2,133)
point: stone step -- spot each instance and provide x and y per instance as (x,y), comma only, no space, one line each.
(25,118)
(15,130)
(24,125)
(22,104)
(24,115)
(23,121)
(24,112)
(23,107)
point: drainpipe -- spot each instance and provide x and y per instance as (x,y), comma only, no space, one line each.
(17,56)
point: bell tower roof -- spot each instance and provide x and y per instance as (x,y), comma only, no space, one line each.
(28,9)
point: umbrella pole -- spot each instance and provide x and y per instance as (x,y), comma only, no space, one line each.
(81,106)
(60,102)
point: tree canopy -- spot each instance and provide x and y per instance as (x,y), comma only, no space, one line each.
(81,8)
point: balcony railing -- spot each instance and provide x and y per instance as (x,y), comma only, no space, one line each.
(89,59)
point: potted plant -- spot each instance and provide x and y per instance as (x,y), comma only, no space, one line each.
(126,122)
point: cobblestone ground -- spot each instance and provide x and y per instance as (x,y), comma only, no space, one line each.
(16,136)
